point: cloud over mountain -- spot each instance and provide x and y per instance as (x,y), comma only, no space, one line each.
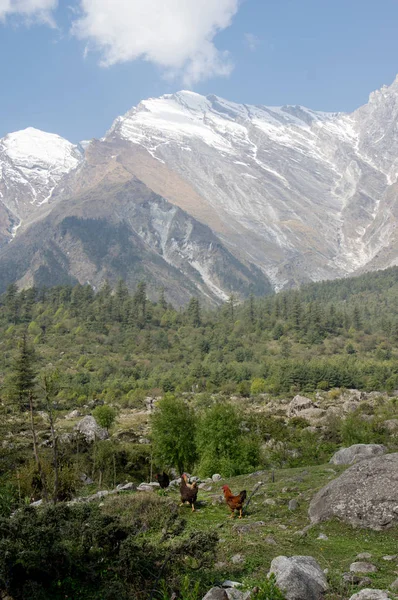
(178,35)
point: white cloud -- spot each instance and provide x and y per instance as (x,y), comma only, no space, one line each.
(252,41)
(176,35)
(35,10)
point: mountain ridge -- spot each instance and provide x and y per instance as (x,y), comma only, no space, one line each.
(301,195)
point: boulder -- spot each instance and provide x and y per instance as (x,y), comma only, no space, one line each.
(368,594)
(365,495)
(89,428)
(299,577)
(348,456)
(298,404)
(216,477)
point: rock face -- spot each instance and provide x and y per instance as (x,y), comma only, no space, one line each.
(299,577)
(366,495)
(348,456)
(90,429)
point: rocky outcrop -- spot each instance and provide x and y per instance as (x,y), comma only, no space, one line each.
(299,577)
(298,404)
(348,456)
(365,495)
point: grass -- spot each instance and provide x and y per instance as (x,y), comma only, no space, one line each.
(270,530)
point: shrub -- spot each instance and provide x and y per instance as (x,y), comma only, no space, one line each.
(258,386)
(222,445)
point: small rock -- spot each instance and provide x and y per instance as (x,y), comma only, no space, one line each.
(270,540)
(74,414)
(368,594)
(123,487)
(322,536)
(394,586)
(230,584)
(37,503)
(216,477)
(390,557)
(215,500)
(362,567)
(364,556)
(293,504)
(145,487)
(269,501)
(237,559)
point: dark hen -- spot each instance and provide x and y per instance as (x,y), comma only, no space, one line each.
(188,491)
(163,480)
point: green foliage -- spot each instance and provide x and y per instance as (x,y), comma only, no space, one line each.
(84,553)
(265,589)
(258,386)
(105,415)
(223,446)
(173,434)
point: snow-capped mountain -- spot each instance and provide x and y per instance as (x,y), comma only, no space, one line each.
(288,193)
(32,164)
(302,193)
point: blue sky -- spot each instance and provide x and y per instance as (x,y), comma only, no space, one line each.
(70,67)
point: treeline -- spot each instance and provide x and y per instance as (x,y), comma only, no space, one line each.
(122,346)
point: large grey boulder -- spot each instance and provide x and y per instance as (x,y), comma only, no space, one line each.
(299,577)
(368,594)
(89,428)
(348,456)
(298,404)
(365,495)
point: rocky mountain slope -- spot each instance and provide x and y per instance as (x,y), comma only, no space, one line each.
(288,194)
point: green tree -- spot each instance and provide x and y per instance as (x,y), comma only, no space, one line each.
(223,446)
(193,312)
(173,434)
(105,415)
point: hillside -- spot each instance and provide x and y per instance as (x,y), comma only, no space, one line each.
(224,379)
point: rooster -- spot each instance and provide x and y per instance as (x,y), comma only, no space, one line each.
(234,502)
(163,480)
(188,491)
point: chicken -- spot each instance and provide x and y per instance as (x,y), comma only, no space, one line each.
(234,502)
(188,491)
(163,480)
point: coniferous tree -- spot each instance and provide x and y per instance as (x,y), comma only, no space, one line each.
(24,375)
